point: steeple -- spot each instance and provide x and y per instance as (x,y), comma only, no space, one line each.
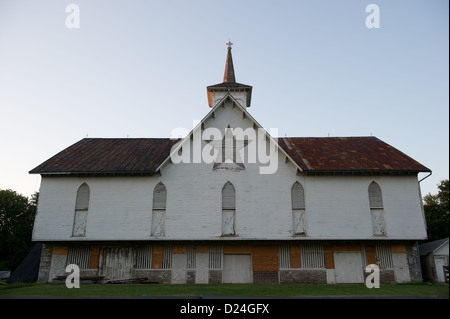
(229,68)
(240,92)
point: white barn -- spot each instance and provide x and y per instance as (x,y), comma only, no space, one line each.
(229,203)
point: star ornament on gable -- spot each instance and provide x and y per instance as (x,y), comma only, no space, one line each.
(228,151)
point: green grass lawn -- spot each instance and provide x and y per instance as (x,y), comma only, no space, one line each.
(90,290)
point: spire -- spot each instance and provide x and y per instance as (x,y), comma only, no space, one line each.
(229,69)
(240,92)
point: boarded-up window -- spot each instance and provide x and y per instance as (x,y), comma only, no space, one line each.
(215,256)
(159,196)
(167,257)
(284,256)
(191,257)
(312,256)
(159,210)
(81,211)
(383,255)
(376,209)
(228,209)
(298,209)
(79,255)
(144,257)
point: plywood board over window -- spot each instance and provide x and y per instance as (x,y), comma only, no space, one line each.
(81,211)
(298,209)
(228,210)
(159,210)
(265,257)
(377,210)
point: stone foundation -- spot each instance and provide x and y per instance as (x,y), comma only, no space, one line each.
(303,276)
(265,277)
(160,276)
(215,277)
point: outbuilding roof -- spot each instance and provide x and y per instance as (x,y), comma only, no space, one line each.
(430,247)
(142,156)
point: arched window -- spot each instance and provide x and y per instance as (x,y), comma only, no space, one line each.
(159,210)
(298,209)
(228,209)
(376,209)
(81,211)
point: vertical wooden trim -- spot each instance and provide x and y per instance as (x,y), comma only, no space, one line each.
(179,249)
(94,257)
(59,250)
(201,248)
(157,257)
(236,248)
(371,255)
(398,248)
(328,251)
(295,256)
(347,247)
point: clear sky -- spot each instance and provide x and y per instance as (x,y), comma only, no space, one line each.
(140,69)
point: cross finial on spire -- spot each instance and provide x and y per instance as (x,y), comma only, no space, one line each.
(229,69)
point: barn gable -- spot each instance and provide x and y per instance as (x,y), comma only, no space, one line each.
(228,133)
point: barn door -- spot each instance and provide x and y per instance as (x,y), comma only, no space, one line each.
(117,263)
(237,269)
(202,265)
(348,267)
(179,262)
(401,268)
(439,263)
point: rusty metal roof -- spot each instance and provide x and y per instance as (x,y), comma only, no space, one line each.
(348,155)
(142,156)
(109,156)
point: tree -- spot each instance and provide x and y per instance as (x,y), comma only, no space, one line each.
(437,212)
(17,214)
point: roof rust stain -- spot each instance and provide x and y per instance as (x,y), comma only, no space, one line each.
(348,154)
(313,155)
(109,156)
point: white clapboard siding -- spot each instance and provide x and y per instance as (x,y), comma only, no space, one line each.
(121,208)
